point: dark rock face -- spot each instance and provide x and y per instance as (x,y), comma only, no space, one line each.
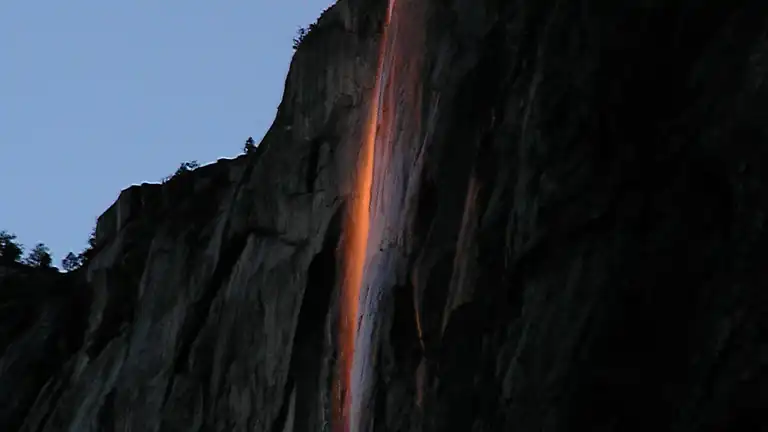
(566,233)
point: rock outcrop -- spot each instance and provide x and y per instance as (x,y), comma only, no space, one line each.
(566,233)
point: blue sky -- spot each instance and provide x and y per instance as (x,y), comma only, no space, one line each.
(97,95)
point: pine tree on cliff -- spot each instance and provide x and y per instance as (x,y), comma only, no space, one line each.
(89,251)
(10,251)
(72,262)
(39,256)
(250,145)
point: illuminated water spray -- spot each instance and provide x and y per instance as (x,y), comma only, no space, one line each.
(357,228)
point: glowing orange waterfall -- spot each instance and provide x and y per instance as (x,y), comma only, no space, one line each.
(356,241)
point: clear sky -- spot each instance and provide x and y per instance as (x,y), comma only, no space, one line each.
(97,95)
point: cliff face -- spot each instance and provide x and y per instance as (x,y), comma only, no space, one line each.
(565,233)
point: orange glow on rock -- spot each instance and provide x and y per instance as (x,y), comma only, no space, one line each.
(356,242)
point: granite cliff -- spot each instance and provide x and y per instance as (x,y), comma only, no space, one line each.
(467,216)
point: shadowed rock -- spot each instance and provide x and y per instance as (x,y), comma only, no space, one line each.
(568,234)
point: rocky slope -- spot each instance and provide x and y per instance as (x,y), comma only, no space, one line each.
(566,233)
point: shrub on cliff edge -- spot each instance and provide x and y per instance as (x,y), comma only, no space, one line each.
(186,166)
(183,168)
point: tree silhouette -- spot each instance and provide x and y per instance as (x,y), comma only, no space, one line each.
(187,166)
(89,251)
(249,145)
(10,251)
(39,256)
(183,168)
(72,262)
